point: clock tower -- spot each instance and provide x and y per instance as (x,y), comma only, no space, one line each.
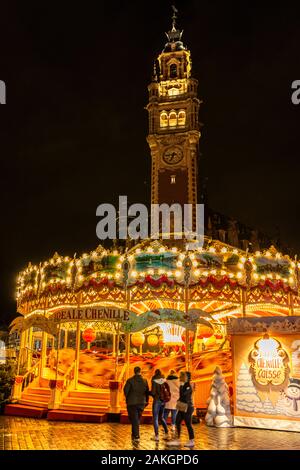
(173,125)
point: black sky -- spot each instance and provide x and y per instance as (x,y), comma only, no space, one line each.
(72,134)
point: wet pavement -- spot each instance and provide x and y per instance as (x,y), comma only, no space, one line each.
(34,434)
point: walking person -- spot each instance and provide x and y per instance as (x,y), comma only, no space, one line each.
(170,406)
(136,392)
(160,392)
(185,410)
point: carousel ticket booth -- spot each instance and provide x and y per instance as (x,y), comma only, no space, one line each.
(266,372)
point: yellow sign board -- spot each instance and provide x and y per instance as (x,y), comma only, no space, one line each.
(269,364)
(266,379)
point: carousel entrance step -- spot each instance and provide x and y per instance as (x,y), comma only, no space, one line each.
(33,397)
(36,402)
(86,417)
(39,390)
(86,401)
(97,394)
(84,408)
(26,411)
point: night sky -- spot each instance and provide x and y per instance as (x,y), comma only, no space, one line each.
(73,131)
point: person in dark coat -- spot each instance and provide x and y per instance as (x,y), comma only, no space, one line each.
(136,392)
(185,396)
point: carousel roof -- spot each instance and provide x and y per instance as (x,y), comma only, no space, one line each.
(154,271)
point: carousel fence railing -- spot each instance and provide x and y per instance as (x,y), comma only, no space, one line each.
(22,360)
(32,356)
(69,376)
(27,357)
(58,393)
(31,374)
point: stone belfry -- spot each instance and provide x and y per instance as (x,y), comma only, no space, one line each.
(173,124)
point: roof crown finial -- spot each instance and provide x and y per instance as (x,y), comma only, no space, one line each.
(174,18)
(174,34)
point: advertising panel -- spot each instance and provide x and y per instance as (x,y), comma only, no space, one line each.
(266,367)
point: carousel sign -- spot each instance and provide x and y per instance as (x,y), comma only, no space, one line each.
(269,363)
(131,322)
(92,313)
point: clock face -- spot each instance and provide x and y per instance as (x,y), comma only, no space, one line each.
(173,155)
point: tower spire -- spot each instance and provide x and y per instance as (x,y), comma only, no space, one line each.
(174,18)
(174,35)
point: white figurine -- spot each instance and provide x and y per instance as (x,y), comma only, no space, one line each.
(218,411)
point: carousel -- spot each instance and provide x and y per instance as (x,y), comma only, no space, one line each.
(86,322)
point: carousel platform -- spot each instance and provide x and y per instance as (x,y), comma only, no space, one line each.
(26,411)
(81,416)
(29,411)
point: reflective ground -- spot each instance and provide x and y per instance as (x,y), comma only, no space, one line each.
(26,433)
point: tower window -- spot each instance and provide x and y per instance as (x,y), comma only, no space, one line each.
(173,71)
(181,118)
(163,119)
(172,119)
(173,179)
